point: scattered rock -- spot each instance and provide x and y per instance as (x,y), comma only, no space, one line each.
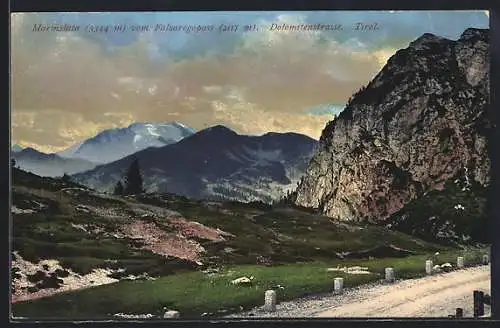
(447,267)
(382,251)
(211,270)
(16,210)
(242,281)
(133,316)
(228,250)
(350,270)
(170,314)
(82,208)
(32,281)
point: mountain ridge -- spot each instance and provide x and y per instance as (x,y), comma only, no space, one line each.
(49,165)
(423,117)
(112,144)
(214,161)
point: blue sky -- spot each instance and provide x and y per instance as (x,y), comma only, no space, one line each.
(68,86)
(397,27)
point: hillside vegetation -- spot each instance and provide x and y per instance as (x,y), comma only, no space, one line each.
(62,230)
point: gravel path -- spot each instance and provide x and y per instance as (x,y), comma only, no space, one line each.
(435,296)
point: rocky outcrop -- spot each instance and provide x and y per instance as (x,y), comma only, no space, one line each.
(419,122)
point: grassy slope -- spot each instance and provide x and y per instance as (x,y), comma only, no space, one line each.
(50,234)
(283,237)
(261,234)
(196,293)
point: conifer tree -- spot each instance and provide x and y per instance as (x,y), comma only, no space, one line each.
(66,177)
(133,179)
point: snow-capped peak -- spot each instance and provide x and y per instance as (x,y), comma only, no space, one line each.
(181,125)
(113,144)
(164,131)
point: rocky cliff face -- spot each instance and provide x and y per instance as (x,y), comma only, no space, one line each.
(417,124)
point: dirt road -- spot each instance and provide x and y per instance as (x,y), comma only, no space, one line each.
(435,296)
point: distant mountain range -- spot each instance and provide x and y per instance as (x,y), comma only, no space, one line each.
(114,144)
(108,146)
(216,163)
(50,165)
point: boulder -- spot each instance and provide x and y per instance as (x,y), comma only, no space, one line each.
(446,267)
(242,281)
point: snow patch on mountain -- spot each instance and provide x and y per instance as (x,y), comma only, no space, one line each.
(114,144)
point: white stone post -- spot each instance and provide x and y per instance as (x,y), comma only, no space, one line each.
(338,285)
(270,301)
(171,315)
(486,259)
(389,275)
(460,262)
(428,267)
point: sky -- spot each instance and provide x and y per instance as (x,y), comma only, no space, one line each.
(68,86)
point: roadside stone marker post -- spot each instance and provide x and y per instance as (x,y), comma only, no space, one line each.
(338,285)
(389,275)
(460,262)
(428,267)
(486,259)
(270,301)
(478,303)
(171,315)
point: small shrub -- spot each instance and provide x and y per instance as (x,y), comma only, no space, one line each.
(36,277)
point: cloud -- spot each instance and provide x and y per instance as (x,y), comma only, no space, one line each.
(250,118)
(384,54)
(69,86)
(62,128)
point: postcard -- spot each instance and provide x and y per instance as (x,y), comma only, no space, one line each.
(235,165)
